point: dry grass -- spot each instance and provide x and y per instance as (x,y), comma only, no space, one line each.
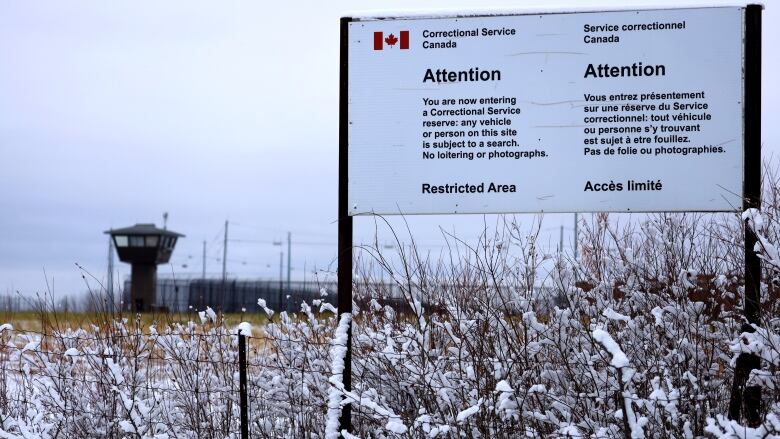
(34,321)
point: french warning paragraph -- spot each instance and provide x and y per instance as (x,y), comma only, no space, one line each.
(647,124)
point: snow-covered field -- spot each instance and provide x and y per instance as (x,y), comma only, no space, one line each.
(638,338)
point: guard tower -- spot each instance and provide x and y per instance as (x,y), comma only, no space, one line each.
(144,246)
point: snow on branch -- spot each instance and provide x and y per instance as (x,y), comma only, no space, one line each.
(619,359)
(338,352)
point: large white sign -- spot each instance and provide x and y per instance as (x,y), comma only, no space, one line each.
(597,111)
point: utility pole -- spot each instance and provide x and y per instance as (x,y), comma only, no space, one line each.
(281,279)
(576,234)
(203,284)
(289,253)
(224,264)
(560,245)
(110,275)
(224,256)
(203,273)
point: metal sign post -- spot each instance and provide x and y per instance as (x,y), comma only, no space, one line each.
(344,270)
(749,397)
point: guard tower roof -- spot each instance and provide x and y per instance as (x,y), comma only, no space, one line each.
(143,229)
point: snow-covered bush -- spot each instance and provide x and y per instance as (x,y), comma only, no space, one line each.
(635,338)
(120,381)
(638,345)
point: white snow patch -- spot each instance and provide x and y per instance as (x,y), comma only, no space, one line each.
(32,346)
(127,426)
(244,328)
(337,352)
(346,435)
(658,313)
(688,278)
(754,218)
(116,371)
(569,431)
(465,414)
(396,426)
(325,306)
(614,315)
(503,386)
(212,315)
(619,359)
(537,388)
(261,303)
(72,352)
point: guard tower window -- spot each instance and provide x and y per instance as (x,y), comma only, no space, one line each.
(151,241)
(136,241)
(171,242)
(120,241)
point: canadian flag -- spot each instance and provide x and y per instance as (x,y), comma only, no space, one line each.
(391,40)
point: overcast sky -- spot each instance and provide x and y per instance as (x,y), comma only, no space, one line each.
(112,113)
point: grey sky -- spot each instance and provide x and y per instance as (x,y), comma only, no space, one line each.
(113,112)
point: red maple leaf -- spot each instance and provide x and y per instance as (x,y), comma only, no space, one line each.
(391,40)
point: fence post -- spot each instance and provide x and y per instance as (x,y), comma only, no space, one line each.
(242,388)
